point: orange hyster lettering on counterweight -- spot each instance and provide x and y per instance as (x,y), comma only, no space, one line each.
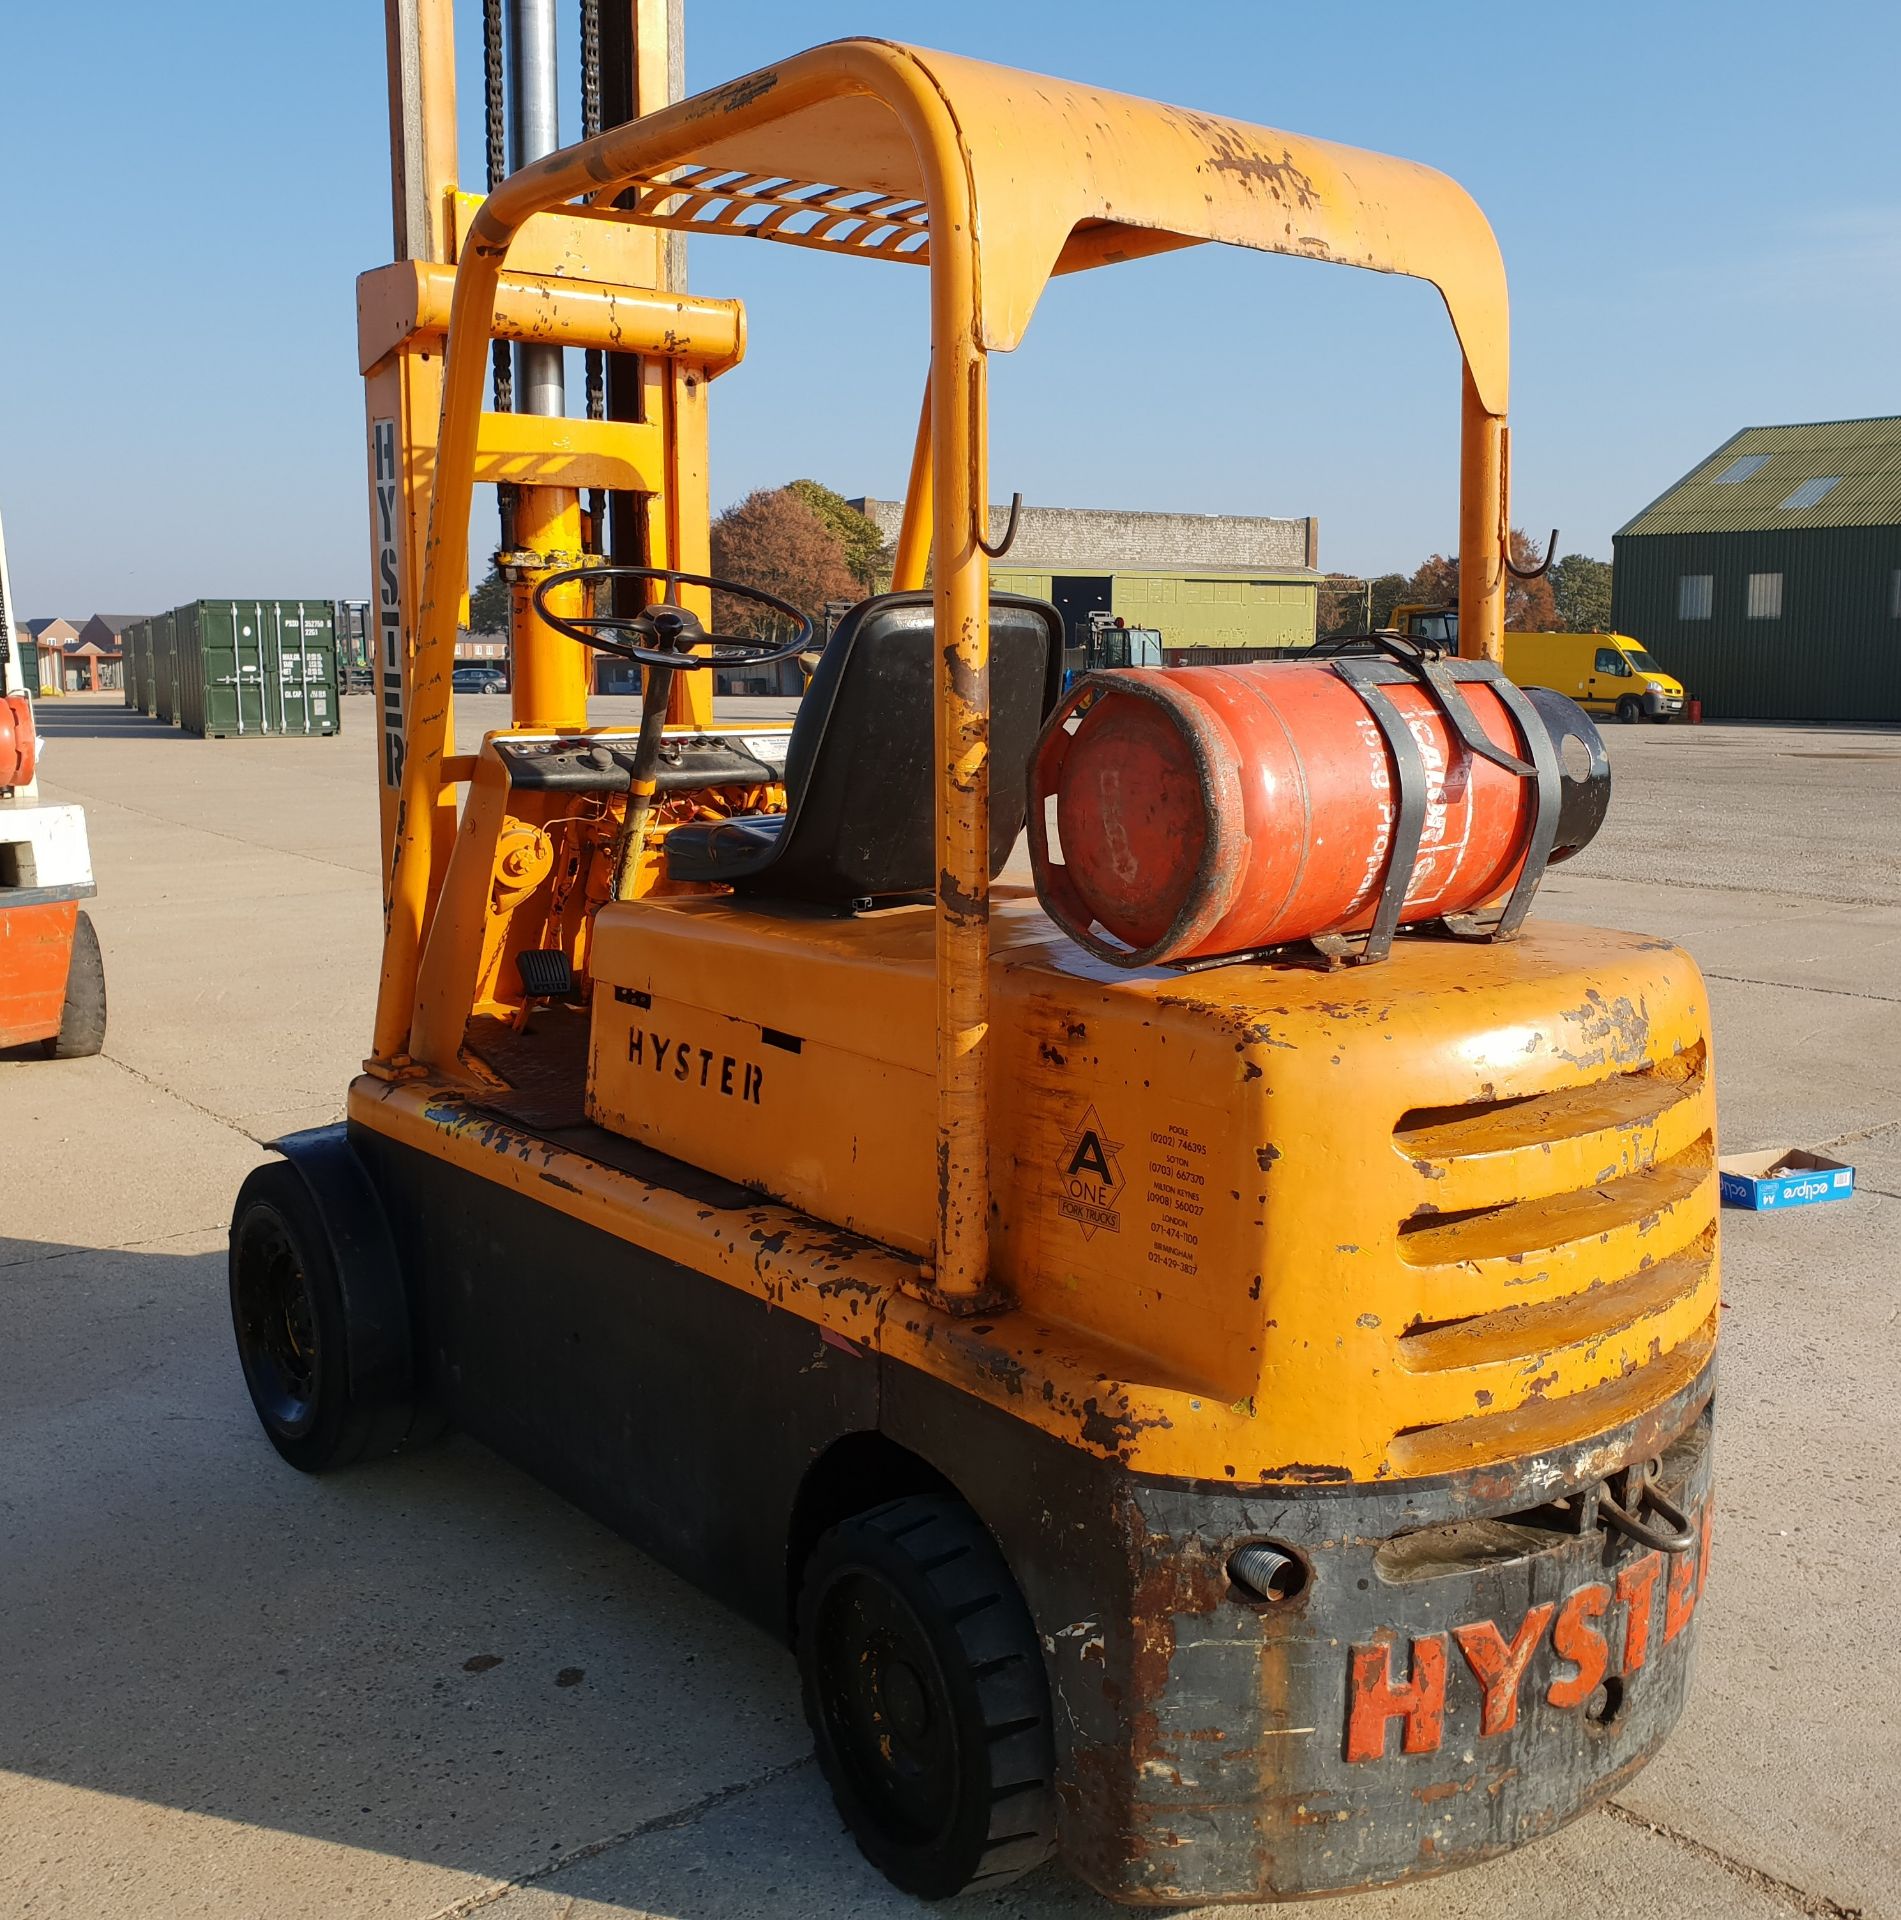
(1580,1638)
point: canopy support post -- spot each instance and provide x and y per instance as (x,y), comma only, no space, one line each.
(1484,537)
(959,460)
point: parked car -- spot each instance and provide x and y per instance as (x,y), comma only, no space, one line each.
(479,680)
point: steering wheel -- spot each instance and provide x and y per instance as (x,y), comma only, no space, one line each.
(665,633)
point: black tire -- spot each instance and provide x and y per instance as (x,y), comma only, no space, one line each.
(1630,710)
(326,1354)
(925,1691)
(82,1019)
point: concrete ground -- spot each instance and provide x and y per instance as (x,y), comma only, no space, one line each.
(433,1689)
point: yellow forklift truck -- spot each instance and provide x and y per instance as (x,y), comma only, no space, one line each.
(1241,1428)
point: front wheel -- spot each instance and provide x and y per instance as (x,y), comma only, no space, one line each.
(1630,710)
(925,1691)
(326,1353)
(82,1016)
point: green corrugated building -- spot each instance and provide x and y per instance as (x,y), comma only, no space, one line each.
(1768,579)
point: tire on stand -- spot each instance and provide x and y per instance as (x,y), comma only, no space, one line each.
(925,1691)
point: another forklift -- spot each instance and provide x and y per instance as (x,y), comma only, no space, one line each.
(1214,1387)
(1111,643)
(52,978)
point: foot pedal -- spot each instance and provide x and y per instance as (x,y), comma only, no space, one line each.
(545,973)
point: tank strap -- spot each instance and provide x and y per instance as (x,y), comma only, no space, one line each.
(1391,662)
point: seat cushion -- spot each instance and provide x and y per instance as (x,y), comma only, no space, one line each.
(724,849)
(860,769)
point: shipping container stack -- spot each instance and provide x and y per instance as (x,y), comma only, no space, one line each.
(229,669)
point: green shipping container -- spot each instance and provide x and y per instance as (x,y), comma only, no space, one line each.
(164,632)
(129,662)
(146,662)
(255,667)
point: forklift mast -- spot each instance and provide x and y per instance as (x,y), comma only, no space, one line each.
(626,479)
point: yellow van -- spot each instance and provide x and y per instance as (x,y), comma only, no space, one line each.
(1602,672)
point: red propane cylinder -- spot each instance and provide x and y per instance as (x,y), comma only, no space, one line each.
(19,745)
(1215,810)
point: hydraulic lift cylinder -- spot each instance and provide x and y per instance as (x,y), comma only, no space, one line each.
(550,678)
(534,131)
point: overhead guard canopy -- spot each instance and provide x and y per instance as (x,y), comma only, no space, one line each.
(996,179)
(831,149)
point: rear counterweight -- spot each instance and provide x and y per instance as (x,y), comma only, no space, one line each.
(1459,1665)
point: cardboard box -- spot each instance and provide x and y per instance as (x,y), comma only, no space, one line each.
(1780,1177)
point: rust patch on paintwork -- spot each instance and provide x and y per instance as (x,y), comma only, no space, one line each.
(1282,179)
(739,95)
(1609,1032)
(1115,1429)
(1306,1474)
(960,674)
(957,903)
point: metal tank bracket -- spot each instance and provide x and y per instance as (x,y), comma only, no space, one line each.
(1389,660)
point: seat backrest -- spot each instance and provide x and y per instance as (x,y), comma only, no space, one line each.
(860,766)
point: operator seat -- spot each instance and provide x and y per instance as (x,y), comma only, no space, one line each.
(860,819)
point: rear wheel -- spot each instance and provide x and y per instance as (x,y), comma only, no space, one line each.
(82,1018)
(326,1355)
(1630,710)
(925,1691)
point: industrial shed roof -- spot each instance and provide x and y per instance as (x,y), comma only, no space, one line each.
(1774,477)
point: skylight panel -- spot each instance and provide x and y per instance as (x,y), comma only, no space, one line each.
(1807,494)
(1741,469)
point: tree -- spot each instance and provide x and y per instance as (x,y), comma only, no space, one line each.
(858,535)
(1389,589)
(1350,603)
(1340,606)
(779,543)
(1529,607)
(1435,583)
(1582,588)
(488,604)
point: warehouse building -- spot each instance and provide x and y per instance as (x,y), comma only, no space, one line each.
(1768,579)
(1209,583)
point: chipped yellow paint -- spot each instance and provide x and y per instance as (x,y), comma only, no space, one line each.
(1282,1275)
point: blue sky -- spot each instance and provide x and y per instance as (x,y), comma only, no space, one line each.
(1699,205)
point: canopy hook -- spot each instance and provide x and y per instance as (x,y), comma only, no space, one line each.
(1004,545)
(1538,572)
